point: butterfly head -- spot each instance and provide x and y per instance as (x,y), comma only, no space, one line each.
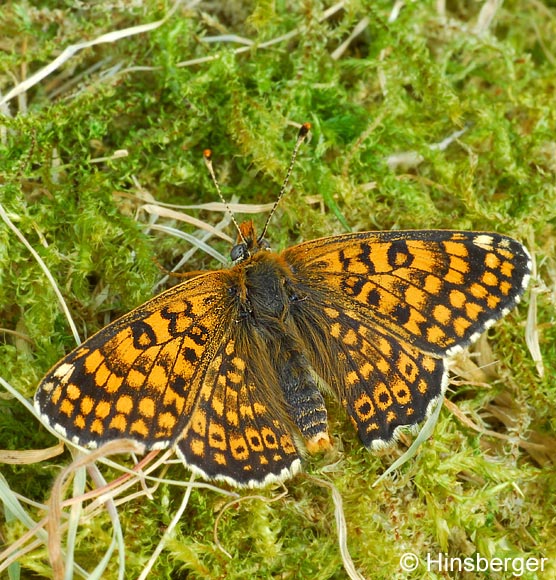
(247,243)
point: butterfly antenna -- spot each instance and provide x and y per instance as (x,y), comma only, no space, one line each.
(303,132)
(207,155)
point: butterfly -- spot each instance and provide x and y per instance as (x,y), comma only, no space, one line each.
(229,367)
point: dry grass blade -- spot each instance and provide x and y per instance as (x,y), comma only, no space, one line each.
(68,52)
(341,528)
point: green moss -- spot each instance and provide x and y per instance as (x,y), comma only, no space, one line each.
(397,87)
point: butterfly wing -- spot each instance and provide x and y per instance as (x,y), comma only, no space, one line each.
(240,431)
(382,310)
(139,377)
(384,383)
(170,371)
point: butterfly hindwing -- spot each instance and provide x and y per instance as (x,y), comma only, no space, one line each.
(384,383)
(236,432)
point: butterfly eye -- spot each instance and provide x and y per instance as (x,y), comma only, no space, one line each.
(263,244)
(239,252)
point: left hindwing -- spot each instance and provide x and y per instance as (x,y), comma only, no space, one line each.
(239,431)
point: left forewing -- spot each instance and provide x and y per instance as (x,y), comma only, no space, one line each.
(437,290)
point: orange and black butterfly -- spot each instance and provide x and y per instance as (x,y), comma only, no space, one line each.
(229,367)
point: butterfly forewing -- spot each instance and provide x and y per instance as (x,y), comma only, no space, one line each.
(139,376)
(435,289)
